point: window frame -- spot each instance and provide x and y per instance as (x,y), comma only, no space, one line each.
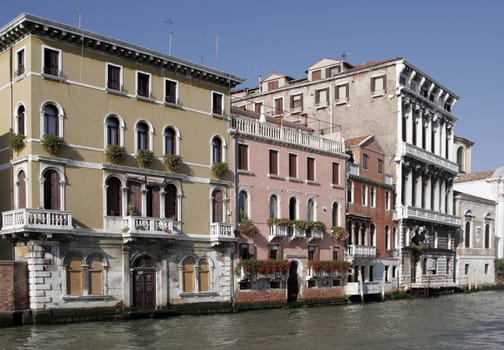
(176,90)
(214,105)
(108,86)
(279,106)
(60,118)
(373,80)
(337,98)
(59,67)
(335,174)
(293,166)
(310,169)
(148,93)
(175,142)
(243,157)
(148,134)
(296,102)
(365,161)
(273,168)
(20,70)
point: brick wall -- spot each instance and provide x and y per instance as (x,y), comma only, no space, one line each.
(13,286)
(261,296)
(322,293)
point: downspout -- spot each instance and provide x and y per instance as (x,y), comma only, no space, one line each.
(11,131)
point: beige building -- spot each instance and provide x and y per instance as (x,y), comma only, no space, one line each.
(109,194)
(411,114)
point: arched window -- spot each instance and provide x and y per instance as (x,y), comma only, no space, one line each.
(460,158)
(204,276)
(153,201)
(112,130)
(364,195)
(52,190)
(373,197)
(142,131)
(387,237)
(363,234)
(372,235)
(335,210)
(21,121)
(242,206)
(467,235)
(171,207)
(74,275)
(292,208)
(216,149)
(134,198)
(188,275)
(217,206)
(350,191)
(95,275)
(273,207)
(310,210)
(51,125)
(387,200)
(21,186)
(170,141)
(487,235)
(394,238)
(114,197)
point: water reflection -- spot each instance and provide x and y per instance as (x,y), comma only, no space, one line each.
(472,321)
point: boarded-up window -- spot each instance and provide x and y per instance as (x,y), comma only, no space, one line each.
(204,276)
(96,276)
(113,197)
(52,190)
(188,275)
(74,276)
(171,202)
(272,85)
(21,190)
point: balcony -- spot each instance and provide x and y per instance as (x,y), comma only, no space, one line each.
(221,232)
(407,212)
(428,157)
(314,234)
(360,252)
(37,220)
(279,231)
(291,136)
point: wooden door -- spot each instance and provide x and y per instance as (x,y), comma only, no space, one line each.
(144,289)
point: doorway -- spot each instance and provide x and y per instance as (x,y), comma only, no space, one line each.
(144,284)
(292,282)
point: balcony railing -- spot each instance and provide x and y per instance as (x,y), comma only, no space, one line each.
(36,219)
(221,232)
(407,212)
(359,251)
(279,231)
(315,234)
(143,225)
(428,157)
(288,135)
(293,232)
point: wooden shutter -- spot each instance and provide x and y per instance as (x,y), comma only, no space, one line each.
(96,277)
(135,199)
(52,190)
(171,202)
(204,276)
(218,204)
(74,276)
(188,275)
(113,197)
(335,173)
(316,75)
(273,162)
(292,165)
(153,201)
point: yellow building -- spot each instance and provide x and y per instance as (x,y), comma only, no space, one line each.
(109,195)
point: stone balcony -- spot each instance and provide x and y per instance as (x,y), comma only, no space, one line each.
(37,221)
(221,233)
(408,212)
(359,252)
(142,227)
(293,232)
(424,156)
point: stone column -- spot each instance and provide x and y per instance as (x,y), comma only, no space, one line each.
(39,279)
(127,285)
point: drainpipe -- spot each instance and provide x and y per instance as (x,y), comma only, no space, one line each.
(11,133)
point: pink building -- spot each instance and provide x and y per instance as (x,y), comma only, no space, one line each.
(290,194)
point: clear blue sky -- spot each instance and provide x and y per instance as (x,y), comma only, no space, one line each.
(457,42)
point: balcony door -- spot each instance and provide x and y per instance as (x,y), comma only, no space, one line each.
(52,190)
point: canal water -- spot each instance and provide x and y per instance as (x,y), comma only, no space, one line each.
(460,321)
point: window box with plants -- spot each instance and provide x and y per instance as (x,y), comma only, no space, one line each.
(324,268)
(220,169)
(144,158)
(247,228)
(172,162)
(16,142)
(338,233)
(115,153)
(268,268)
(52,144)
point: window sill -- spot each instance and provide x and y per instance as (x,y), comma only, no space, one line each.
(86,298)
(53,77)
(198,294)
(218,116)
(116,92)
(295,179)
(337,186)
(19,77)
(341,102)
(173,105)
(314,183)
(276,177)
(245,172)
(378,93)
(146,99)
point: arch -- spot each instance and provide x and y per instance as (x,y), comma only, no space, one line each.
(20,119)
(52,189)
(144,135)
(52,117)
(144,282)
(21,189)
(114,196)
(217,149)
(171,140)
(387,237)
(204,275)
(113,129)
(310,210)
(96,267)
(73,265)
(467,235)
(188,274)
(292,282)
(335,214)
(273,206)
(293,208)
(487,236)
(461,158)
(217,206)
(171,202)
(243,205)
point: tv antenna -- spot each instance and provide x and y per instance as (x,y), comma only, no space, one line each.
(78,11)
(169,22)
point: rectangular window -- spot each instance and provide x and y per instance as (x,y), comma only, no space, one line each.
(20,62)
(335,173)
(273,162)
(52,62)
(311,253)
(257,107)
(332,71)
(242,156)
(171,91)
(296,101)
(386,272)
(278,106)
(380,166)
(335,253)
(272,85)
(143,84)
(292,165)
(217,103)
(341,93)
(114,77)
(365,161)
(466,269)
(322,97)
(394,269)
(486,269)
(273,253)
(378,86)
(310,169)
(316,75)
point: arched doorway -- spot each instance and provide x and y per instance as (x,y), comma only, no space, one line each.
(292,282)
(144,283)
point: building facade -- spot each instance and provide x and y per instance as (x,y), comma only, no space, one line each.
(411,114)
(114,202)
(372,233)
(290,195)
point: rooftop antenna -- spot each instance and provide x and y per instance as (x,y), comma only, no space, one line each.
(344,56)
(79,16)
(216,48)
(169,22)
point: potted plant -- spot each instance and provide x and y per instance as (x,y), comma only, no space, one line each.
(172,162)
(52,144)
(115,153)
(16,142)
(318,225)
(338,233)
(219,169)
(144,157)
(247,227)
(301,224)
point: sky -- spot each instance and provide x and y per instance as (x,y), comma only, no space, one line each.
(459,43)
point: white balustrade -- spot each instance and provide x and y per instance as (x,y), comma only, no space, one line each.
(22,219)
